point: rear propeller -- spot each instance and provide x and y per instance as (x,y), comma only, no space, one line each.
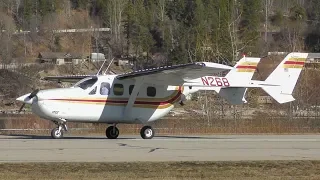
(32,95)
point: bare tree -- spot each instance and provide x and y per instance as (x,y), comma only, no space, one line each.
(7,28)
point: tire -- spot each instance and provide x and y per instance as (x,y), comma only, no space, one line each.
(147,132)
(112,132)
(55,133)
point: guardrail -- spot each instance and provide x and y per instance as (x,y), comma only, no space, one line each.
(15,65)
(15,112)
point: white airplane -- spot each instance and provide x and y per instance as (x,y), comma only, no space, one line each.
(143,96)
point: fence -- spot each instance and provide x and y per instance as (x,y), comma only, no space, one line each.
(13,66)
(235,120)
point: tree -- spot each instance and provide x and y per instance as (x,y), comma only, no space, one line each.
(7,28)
(312,40)
(250,24)
(293,28)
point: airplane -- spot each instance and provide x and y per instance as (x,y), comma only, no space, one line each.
(144,96)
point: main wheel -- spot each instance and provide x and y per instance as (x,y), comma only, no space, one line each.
(147,132)
(55,134)
(112,132)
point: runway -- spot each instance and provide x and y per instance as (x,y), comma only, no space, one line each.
(161,148)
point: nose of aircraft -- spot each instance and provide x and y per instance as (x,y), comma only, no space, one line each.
(28,98)
(25,99)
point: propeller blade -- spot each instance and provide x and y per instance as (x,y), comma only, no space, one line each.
(21,107)
(34,93)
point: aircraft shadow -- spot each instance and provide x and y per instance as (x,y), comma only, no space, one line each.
(27,136)
(24,136)
(192,137)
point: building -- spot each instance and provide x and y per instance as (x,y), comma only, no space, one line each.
(59,58)
(265,100)
(123,62)
(96,57)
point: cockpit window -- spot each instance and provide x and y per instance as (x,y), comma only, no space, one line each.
(86,83)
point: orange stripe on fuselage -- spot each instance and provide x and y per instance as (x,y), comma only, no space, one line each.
(156,103)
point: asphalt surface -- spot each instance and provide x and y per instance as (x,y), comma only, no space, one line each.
(161,148)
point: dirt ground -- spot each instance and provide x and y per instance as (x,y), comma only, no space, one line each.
(164,170)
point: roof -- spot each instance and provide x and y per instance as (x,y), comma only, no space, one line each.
(97,56)
(59,55)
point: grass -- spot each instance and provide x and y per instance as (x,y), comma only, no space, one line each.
(163,170)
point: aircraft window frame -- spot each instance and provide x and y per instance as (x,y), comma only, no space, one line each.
(148,91)
(93,91)
(86,80)
(131,89)
(120,93)
(108,87)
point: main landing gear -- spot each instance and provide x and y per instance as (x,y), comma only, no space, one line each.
(112,132)
(57,133)
(146,132)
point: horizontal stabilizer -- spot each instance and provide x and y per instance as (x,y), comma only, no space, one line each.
(276,95)
(250,84)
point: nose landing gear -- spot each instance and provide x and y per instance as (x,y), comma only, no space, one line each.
(57,133)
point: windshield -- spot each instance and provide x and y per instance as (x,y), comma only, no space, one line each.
(86,83)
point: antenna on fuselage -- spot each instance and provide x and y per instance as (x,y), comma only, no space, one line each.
(101,67)
(108,66)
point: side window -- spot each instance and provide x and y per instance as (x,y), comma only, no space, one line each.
(118,89)
(93,91)
(105,88)
(151,91)
(131,89)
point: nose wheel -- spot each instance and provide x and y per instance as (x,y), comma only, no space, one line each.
(57,133)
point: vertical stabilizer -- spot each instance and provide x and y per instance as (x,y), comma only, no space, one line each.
(244,69)
(242,73)
(286,74)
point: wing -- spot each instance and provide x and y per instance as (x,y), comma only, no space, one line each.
(68,78)
(177,74)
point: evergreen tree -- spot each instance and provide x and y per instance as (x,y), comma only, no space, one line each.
(312,39)
(250,23)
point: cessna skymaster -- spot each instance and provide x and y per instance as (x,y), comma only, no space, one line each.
(143,96)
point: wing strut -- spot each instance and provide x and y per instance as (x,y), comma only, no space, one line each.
(133,96)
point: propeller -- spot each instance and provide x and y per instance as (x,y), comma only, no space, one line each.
(22,107)
(32,95)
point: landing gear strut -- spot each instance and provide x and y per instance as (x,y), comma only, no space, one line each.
(112,132)
(57,133)
(147,132)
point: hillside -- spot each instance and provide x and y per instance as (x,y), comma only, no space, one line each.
(181,31)
(155,33)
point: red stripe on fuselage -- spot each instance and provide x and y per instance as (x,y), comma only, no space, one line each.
(294,62)
(125,101)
